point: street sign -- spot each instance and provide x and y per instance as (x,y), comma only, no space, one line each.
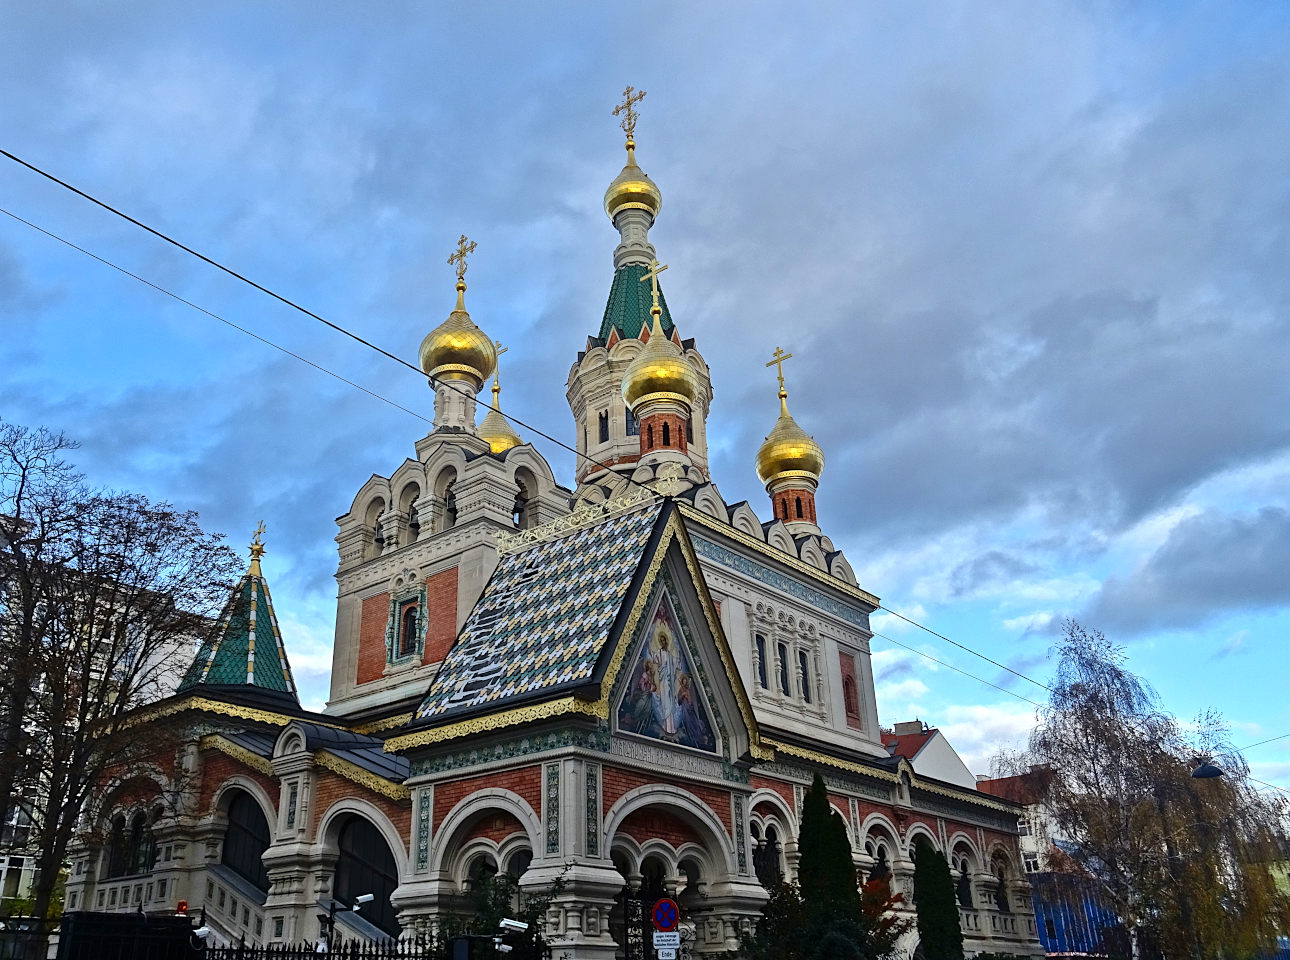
(666,915)
(666,953)
(667,939)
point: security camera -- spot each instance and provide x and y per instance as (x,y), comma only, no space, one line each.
(503,947)
(201,933)
(362,899)
(513,926)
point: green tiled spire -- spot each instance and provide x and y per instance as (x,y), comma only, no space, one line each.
(629,303)
(245,647)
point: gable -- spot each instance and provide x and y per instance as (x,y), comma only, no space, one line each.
(664,697)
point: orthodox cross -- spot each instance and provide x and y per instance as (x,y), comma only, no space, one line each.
(655,268)
(497,345)
(629,121)
(458,259)
(779,357)
(257,542)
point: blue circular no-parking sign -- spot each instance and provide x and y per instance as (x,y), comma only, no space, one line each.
(666,915)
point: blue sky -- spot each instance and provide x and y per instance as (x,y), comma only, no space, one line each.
(1030,259)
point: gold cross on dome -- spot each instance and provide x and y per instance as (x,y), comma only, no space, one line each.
(779,357)
(257,542)
(458,259)
(655,268)
(497,369)
(629,121)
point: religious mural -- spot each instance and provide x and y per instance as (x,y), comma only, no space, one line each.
(663,699)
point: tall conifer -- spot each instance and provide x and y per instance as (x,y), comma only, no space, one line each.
(825,871)
(937,906)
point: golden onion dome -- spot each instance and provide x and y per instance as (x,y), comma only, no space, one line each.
(632,190)
(496,429)
(659,372)
(457,349)
(788,451)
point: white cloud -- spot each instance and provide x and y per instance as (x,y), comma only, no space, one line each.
(978,732)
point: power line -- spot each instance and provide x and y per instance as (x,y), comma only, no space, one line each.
(290,303)
(965,673)
(214,316)
(1283,736)
(955,643)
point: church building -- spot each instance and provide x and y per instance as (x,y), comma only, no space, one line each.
(624,686)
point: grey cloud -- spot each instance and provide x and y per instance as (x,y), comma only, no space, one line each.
(1211,564)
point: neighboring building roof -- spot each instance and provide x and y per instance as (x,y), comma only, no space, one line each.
(629,304)
(908,745)
(1022,788)
(246,647)
(543,618)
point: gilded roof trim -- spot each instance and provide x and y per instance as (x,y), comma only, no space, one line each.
(364,778)
(497,721)
(213,741)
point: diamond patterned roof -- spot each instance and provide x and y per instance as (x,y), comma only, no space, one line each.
(630,302)
(543,619)
(246,647)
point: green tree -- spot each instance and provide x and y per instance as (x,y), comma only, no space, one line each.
(936,905)
(824,916)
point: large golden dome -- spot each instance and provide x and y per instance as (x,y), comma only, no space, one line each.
(788,451)
(457,349)
(496,429)
(660,371)
(632,190)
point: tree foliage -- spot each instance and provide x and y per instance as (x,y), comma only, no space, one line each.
(1183,862)
(825,916)
(103,596)
(937,905)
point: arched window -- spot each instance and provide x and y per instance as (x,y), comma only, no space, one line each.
(762,678)
(804,668)
(450,505)
(518,862)
(408,630)
(116,853)
(604,427)
(799,508)
(365,865)
(522,513)
(245,840)
(963,887)
(689,431)
(881,869)
(850,702)
(631,425)
(1001,872)
(784,688)
(667,434)
(372,523)
(766,859)
(649,437)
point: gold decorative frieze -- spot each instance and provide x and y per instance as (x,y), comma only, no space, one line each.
(585,516)
(364,778)
(213,741)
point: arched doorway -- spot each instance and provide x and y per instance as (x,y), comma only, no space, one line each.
(245,839)
(366,865)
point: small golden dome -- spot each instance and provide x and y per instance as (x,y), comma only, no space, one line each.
(659,372)
(632,190)
(496,429)
(788,451)
(457,349)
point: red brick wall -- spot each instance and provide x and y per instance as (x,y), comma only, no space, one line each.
(848,664)
(441,603)
(496,826)
(785,790)
(655,823)
(330,787)
(784,505)
(218,768)
(526,781)
(371,638)
(676,432)
(616,782)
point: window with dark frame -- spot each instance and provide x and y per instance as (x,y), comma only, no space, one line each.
(408,629)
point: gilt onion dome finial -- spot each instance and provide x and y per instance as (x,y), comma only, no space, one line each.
(788,452)
(631,189)
(457,349)
(495,428)
(660,371)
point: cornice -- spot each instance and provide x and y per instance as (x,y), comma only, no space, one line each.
(213,741)
(398,720)
(779,556)
(496,721)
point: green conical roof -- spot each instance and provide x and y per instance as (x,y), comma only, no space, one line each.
(630,302)
(245,647)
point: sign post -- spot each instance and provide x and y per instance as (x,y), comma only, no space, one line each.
(667,938)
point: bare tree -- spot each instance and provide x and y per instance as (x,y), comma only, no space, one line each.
(1184,862)
(125,589)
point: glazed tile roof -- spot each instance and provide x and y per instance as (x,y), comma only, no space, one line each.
(543,619)
(245,647)
(630,302)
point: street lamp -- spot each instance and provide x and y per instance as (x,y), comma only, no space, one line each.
(1205,770)
(329,921)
